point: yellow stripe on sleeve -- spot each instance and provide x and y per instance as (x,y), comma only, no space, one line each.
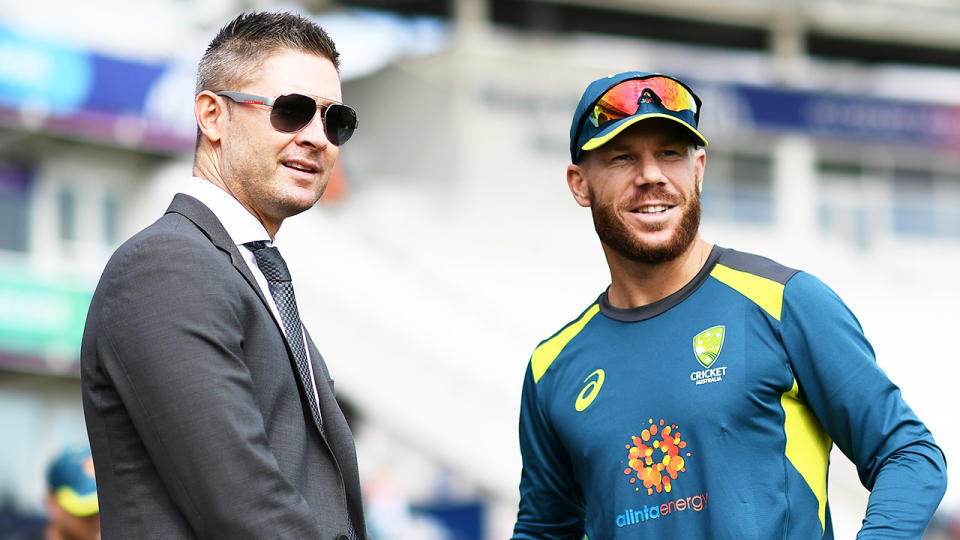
(548,351)
(808,446)
(766,293)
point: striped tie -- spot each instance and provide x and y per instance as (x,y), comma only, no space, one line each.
(281,288)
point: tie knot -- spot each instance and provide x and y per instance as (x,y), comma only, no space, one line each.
(269,260)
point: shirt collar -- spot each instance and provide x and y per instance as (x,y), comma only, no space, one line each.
(240,224)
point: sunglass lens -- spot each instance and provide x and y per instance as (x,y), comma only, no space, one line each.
(292,112)
(623,99)
(672,95)
(339,121)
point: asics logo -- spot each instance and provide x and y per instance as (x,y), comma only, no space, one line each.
(589,393)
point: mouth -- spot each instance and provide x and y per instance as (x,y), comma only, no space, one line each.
(653,209)
(301,165)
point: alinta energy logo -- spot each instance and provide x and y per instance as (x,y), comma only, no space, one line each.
(656,459)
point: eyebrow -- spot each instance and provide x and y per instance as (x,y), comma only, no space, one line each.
(615,147)
(666,141)
(676,138)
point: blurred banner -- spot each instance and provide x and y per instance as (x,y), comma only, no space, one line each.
(816,113)
(41,322)
(65,91)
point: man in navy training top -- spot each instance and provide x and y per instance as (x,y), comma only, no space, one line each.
(700,394)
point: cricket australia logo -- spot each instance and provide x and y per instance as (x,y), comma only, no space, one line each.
(707,346)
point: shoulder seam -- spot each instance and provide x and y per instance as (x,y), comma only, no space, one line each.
(757,265)
(549,350)
(764,292)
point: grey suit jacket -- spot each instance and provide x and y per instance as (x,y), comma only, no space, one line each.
(198,426)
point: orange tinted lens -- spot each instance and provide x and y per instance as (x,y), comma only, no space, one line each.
(624,99)
(672,94)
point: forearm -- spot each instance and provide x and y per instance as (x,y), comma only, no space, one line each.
(536,531)
(551,504)
(906,493)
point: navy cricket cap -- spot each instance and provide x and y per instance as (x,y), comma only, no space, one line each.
(612,104)
(72,483)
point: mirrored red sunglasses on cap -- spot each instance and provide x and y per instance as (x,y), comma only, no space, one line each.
(290,113)
(624,99)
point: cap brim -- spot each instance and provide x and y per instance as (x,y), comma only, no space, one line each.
(605,136)
(77,504)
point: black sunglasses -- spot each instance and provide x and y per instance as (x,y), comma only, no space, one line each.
(292,112)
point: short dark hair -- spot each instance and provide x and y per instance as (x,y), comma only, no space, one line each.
(243,44)
(241,47)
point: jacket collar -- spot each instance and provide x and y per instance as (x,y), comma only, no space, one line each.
(210,226)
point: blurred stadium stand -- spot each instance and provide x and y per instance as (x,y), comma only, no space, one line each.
(450,246)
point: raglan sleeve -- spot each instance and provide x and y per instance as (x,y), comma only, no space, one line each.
(551,502)
(862,410)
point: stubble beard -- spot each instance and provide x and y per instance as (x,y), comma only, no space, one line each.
(288,200)
(275,195)
(257,182)
(615,233)
(288,205)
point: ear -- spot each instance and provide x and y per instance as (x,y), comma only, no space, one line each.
(210,112)
(700,164)
(577,182)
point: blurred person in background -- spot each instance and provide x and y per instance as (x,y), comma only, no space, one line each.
(72,497)
(72,508)
(210,411)
(700,394)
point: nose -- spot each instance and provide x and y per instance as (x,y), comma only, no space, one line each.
(313,135)
(649,172)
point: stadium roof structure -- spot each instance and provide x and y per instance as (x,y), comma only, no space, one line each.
(900,31)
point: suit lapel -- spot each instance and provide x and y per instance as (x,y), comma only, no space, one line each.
(338,435)
(322,379)
(207,222)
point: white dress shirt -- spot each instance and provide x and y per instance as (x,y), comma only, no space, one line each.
(243,227)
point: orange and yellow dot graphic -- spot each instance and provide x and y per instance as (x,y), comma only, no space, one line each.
(654,457)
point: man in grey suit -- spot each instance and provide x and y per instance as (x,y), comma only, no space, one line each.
(209,409)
